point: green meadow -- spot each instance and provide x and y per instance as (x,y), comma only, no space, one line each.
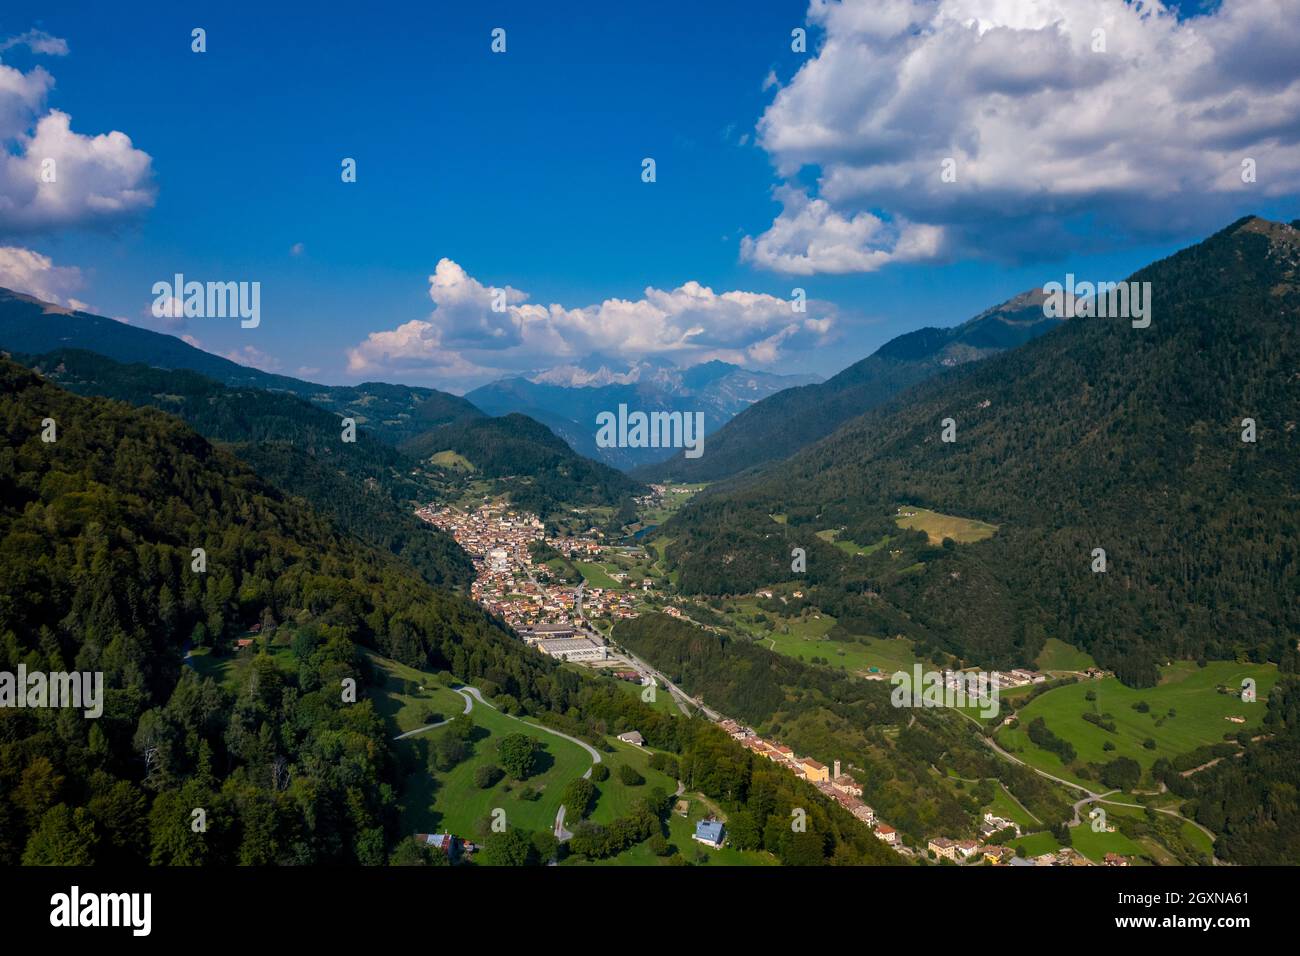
(433,801)
(408,696)
(939,526)
(229,670)
(1184,711)
(597,575)
(679,832)
(613,797)
(1057,655)
(831,535)
(452,800)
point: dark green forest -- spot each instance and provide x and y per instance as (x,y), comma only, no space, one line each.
(780,425)
(1095,435)
(366,486)
(547,474)
(827,714)
(96,536)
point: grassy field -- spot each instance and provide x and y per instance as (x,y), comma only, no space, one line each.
(614,798)
(831,535)
(663,699)
(670,504)
(679,832)
(1095,846)
(1187,690)
(1036,844)
(409,694)
(597,576)
(453,460)
(1057,655)
(1004,805)
(939,526)
(453,801)
(229,671)
(659,546)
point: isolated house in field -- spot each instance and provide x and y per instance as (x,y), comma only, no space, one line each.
(444,843)
(632,737)
(710,833)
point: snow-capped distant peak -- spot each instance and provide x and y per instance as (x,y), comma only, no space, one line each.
(573,376)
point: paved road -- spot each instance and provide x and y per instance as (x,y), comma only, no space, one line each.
(561,834)
(1094,797)
(442,723)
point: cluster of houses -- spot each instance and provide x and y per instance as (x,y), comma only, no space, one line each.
(838,786)
(499,541)
(973,851)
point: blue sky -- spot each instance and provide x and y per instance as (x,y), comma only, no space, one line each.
(524,169)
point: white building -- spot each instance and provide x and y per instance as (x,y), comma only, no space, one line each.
(574,649)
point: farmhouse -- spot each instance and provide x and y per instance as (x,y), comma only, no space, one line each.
(710,833)
(632,737)
(445,843)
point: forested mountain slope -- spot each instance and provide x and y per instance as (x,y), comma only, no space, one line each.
(391,412)
(97,531)
(546,470)
(779,425)
(1096,435)
(368,487)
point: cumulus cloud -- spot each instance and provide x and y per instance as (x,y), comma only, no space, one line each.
(38,41)
(248,355)
(811,237)
(24,270)
(50,175)
(1057,115)
(478,332)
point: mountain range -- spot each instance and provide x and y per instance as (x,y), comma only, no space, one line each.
(568,399)
(1170,452)
(393,412)
(781,424)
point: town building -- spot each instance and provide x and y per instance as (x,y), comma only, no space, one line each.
(574,649)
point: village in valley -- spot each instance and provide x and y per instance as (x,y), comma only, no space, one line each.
(517,581)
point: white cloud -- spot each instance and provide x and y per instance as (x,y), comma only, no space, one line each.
(810,237)
(24,270)
(1145,140)
(38,41)
(52,176)
(465,338)
(248,355)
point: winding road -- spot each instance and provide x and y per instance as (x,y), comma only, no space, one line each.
(472,694)
(1091,796)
